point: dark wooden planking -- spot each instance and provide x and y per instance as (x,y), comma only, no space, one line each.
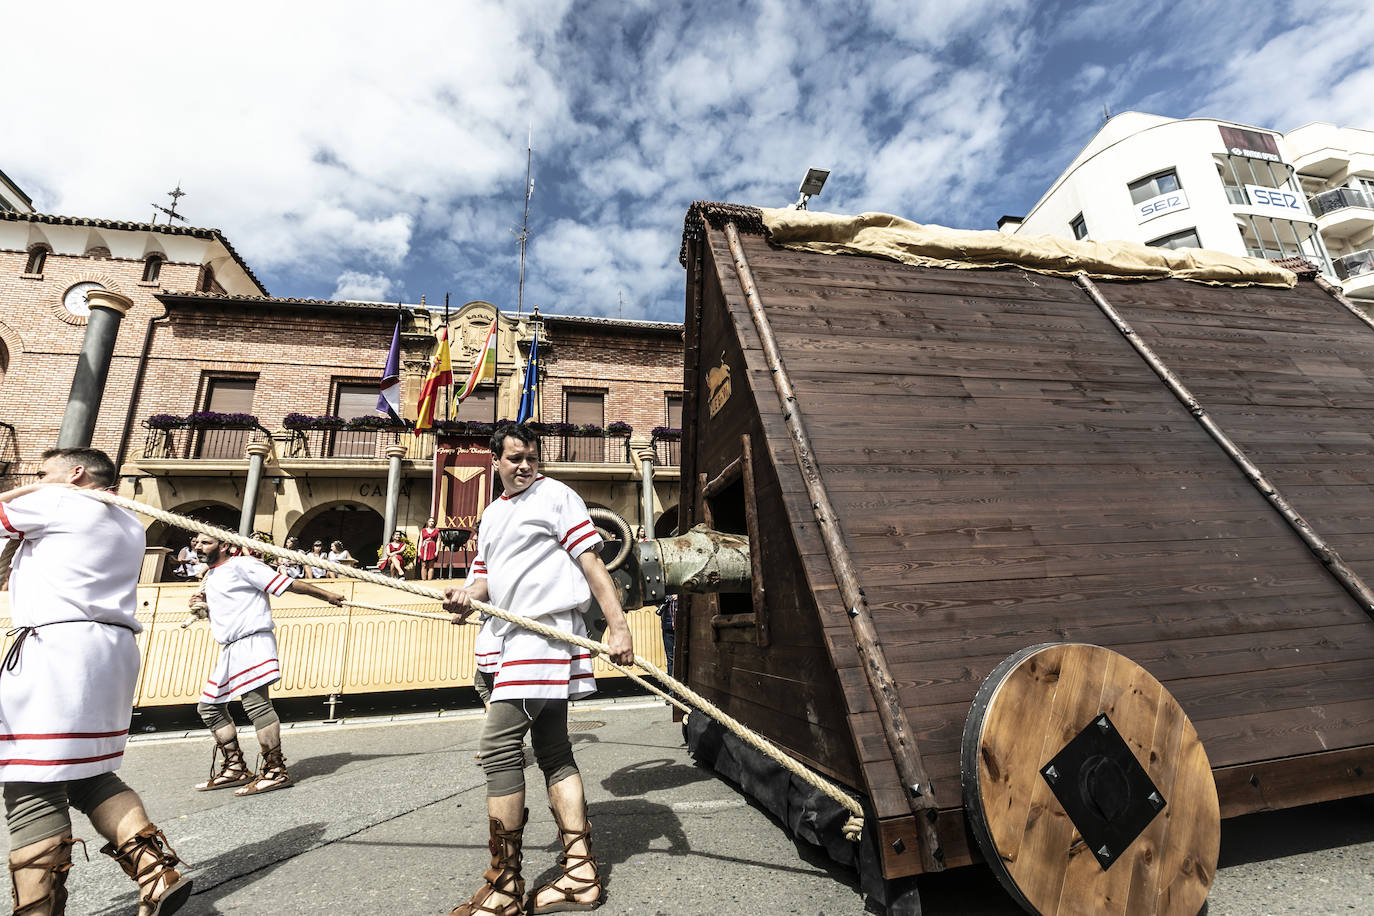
(1272,785)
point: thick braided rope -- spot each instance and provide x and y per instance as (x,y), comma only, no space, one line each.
(448,618)
(853,827)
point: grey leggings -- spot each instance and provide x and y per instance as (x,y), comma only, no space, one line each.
(504,733)
(255,702)
(38,810)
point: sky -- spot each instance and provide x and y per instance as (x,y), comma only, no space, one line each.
(378,151)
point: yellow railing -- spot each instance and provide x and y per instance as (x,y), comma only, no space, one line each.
(324,650)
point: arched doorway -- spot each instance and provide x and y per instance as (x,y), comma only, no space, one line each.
(666,526)
(176,538)
(358,526)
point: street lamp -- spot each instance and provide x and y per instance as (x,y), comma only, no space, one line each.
(811,186)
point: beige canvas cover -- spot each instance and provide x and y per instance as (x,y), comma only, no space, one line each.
(886,236)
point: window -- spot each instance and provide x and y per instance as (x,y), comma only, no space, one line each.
(354,399)
(207,282)
(479,406)
(1079,227)
(674,411)
(38,256)
(226,395)
(1153,186)
(1185,239)
(152,268)
(669,451)
(585,408)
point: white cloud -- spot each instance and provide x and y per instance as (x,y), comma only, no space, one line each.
(354,286)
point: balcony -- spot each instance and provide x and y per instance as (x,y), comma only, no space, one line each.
(1356,271)
(211,442)
(1343,212)
(196,438)
(667,449)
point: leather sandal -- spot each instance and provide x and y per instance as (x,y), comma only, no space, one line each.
(273,772)
(234,773)
(149,859)
(503,877)
(567,884)
(56,861)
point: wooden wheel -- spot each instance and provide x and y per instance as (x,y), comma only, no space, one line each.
(1087,788)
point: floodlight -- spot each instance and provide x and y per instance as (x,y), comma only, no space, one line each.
(811,186)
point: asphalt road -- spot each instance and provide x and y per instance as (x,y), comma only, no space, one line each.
(389,817)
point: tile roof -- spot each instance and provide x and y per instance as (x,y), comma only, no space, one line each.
(207,234)
(192,296)
(628,323)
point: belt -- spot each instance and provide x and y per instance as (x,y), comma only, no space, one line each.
(22,633)
(245,636)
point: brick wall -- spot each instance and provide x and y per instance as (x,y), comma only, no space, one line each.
(295,354)
(42,349)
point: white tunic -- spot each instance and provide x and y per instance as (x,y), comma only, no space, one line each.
(528,555)
(241,621)
(66,703)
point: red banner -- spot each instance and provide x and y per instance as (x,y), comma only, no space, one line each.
(462,480)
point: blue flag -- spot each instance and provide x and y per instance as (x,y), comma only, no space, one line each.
(527,397)
(389,400)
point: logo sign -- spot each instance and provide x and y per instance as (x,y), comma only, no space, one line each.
(1250,143)
(1169,202)
(1280,202)
(718,382)
(462,480)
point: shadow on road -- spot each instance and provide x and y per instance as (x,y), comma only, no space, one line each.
(324,764)
(652,776)
(1276,834)
(216,878)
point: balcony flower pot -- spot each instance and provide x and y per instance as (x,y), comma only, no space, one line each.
(619,428)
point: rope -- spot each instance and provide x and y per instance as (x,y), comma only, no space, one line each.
(448,618)
(853,827)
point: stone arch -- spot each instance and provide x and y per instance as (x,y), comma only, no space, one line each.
(667,523)
(355,523)
(161,534)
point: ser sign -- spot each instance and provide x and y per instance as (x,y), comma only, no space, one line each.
(1168,202)
(1277,202)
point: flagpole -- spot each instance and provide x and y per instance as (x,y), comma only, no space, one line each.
(496,373)
(448,389)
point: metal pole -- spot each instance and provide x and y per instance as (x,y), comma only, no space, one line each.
(646,492)
(257,456)
(92,367)
(394,454)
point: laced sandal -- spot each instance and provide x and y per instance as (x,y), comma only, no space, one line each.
(234,773)
(56,862)
(568,885)
(503,877)
(271,777)
(149,859)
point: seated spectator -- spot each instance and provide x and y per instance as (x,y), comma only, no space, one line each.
(291,567)
(393,561)
(338,553)
(314,572)
(187,561)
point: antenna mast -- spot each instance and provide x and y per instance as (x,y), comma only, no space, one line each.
(524,234)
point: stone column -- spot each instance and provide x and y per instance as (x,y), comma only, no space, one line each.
(92,367)
(647,457)
(394,454)
(257,457)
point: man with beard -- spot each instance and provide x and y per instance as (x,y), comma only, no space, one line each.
(235,593)
(67,687)
(538,557)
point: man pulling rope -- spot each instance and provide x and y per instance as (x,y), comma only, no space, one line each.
(67,687)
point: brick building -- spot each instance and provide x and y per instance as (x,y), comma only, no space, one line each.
(203,335)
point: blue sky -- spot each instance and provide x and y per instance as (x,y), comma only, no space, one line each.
(357,150)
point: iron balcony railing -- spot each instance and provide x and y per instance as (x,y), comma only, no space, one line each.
(668,452)
(231,443)
(1338,199)
(9,449)
(212,443)
(1355,264)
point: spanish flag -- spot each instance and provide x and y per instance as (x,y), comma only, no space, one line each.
(485,366)
(440,377)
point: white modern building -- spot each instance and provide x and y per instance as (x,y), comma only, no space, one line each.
(1203,183)
(1336,168)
